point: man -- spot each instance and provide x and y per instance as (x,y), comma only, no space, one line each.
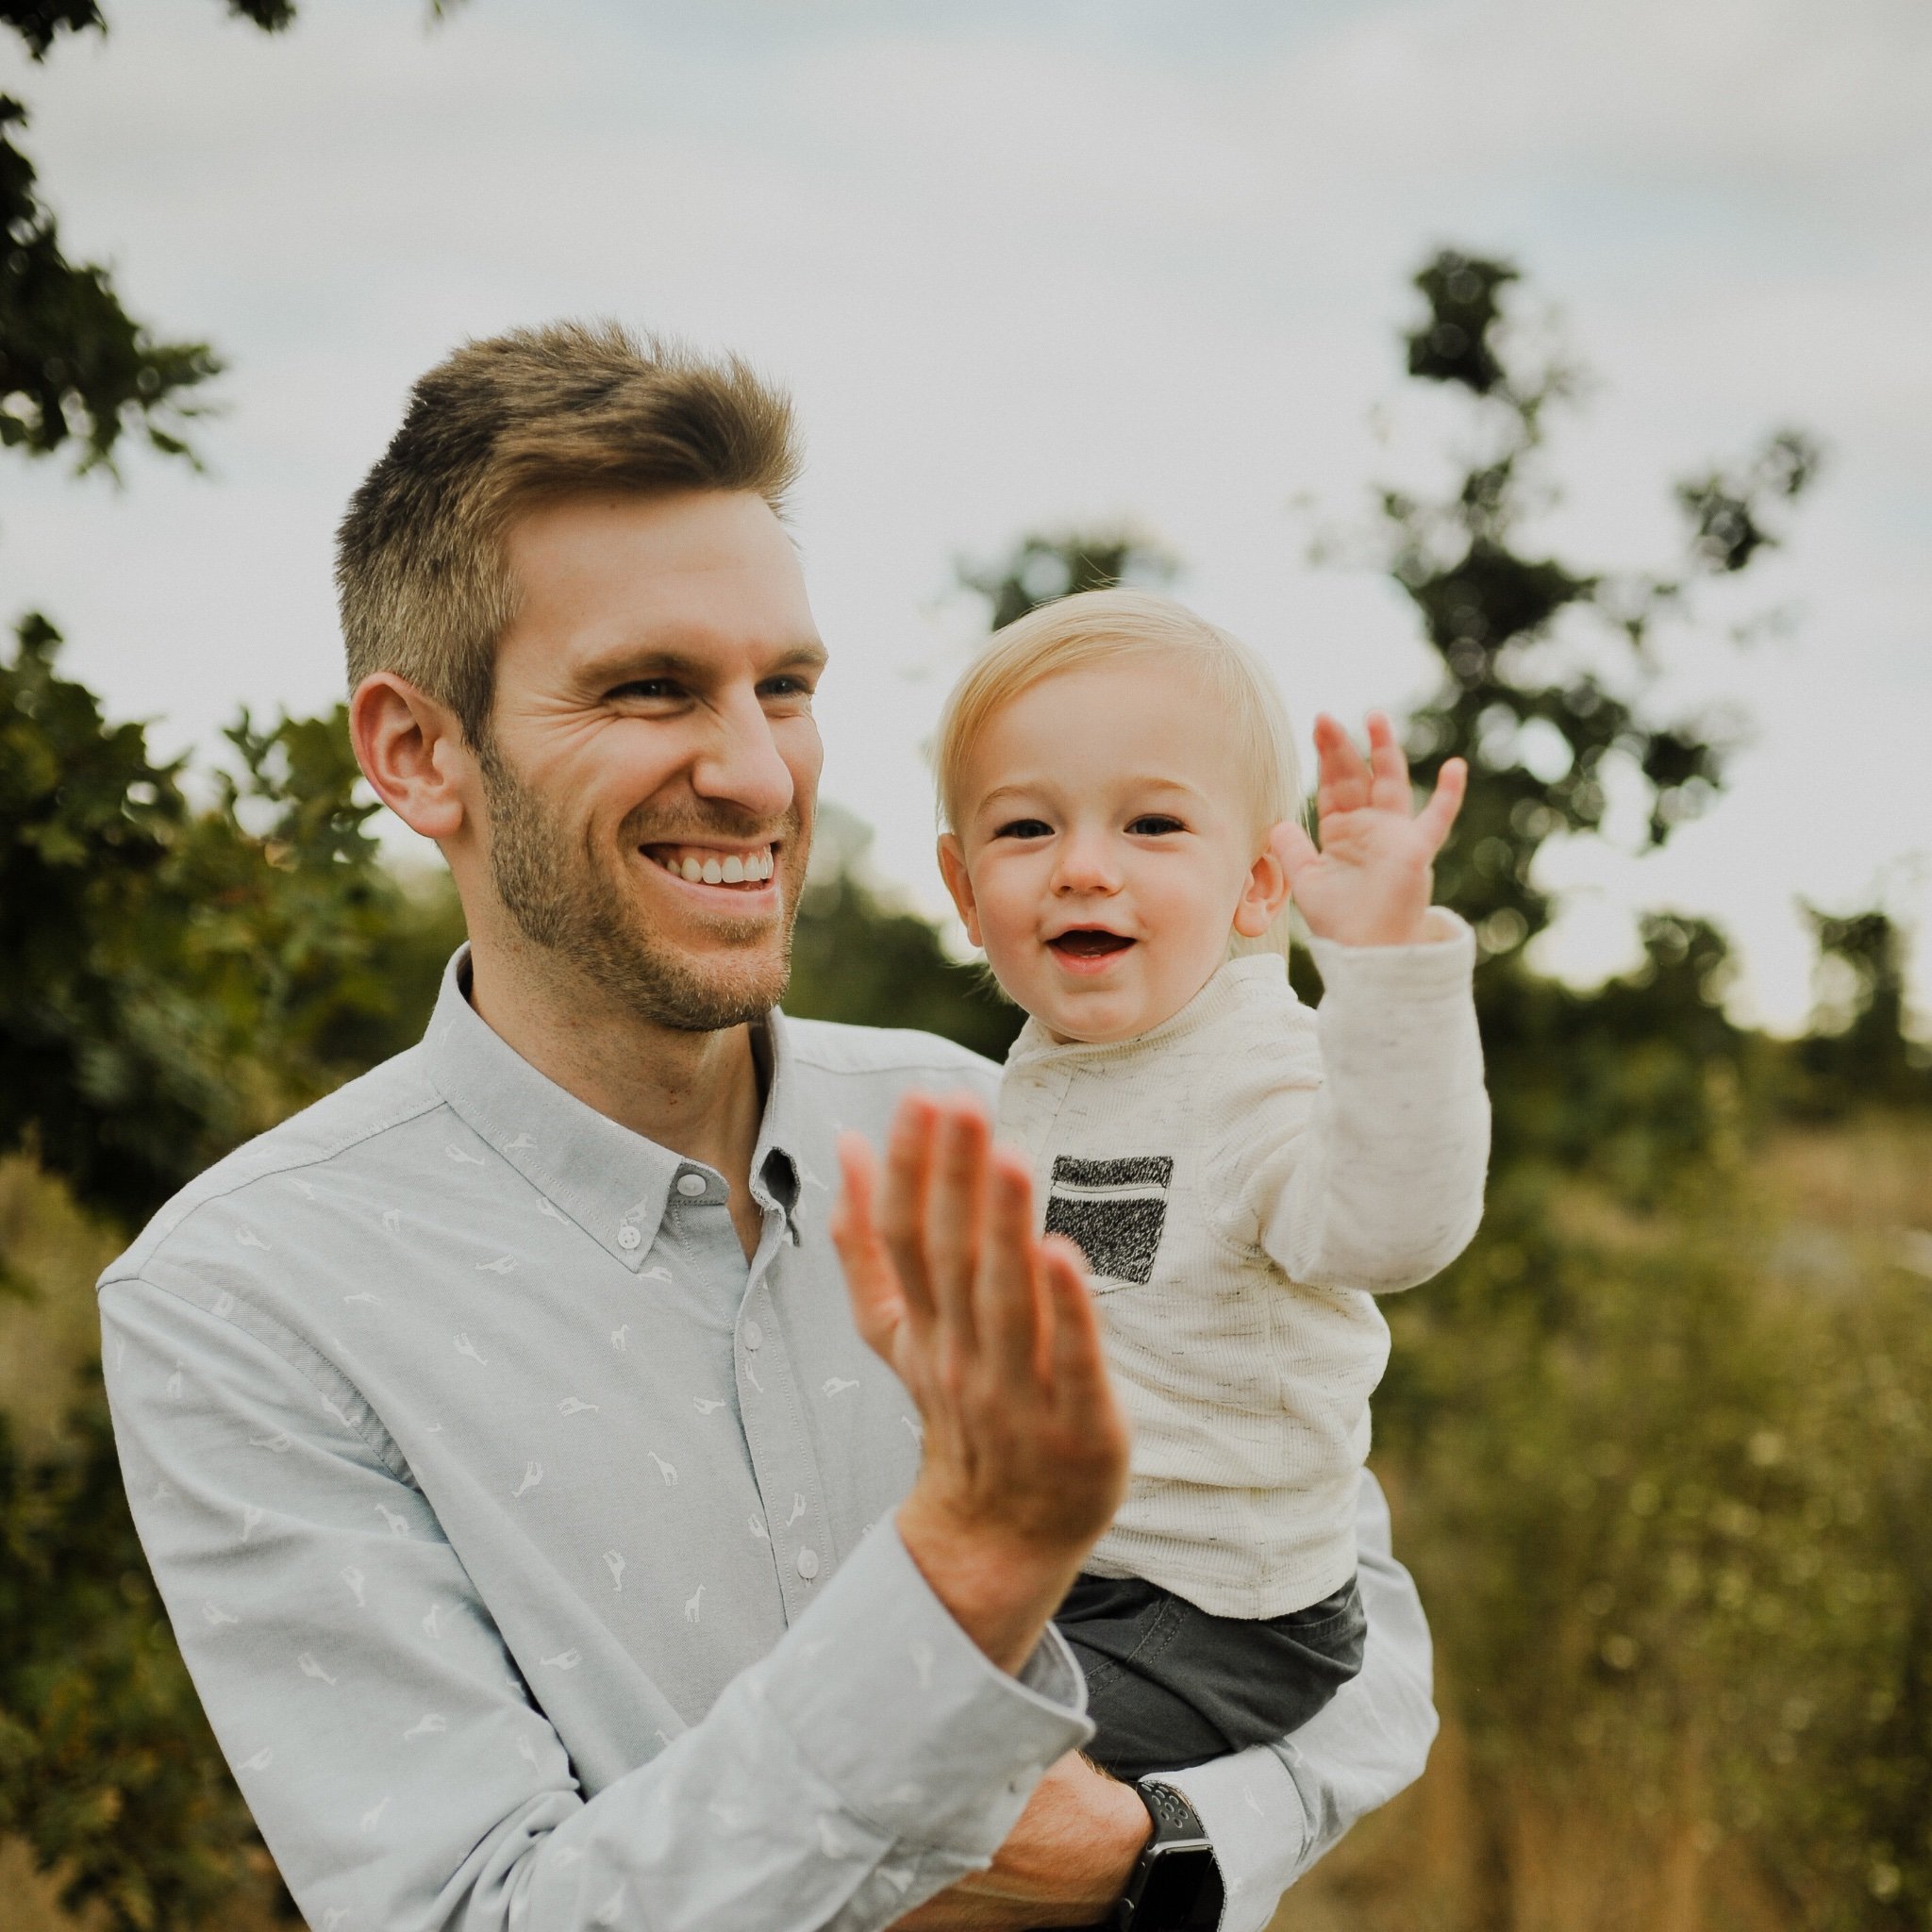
(546,1547)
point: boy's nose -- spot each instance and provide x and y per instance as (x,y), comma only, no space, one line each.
(1086,865)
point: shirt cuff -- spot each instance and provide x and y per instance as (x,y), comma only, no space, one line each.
(901,1713)
(1253,1813)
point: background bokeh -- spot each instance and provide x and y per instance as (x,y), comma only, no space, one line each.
(1550,375)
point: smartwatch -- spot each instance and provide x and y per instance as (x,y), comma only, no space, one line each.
(1175,1886)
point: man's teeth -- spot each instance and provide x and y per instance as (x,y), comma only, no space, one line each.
(728,869)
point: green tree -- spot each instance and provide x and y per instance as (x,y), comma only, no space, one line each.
(1859,1051)
(1526,697)
(74,363)
(1043,566)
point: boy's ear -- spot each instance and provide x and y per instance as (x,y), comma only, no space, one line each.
(959,883)
(1264,892)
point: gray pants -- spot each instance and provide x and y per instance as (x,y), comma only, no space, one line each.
(1170,1685)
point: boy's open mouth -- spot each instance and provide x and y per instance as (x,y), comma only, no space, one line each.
(1090,942)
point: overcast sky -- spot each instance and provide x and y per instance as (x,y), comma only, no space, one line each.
(1046,263)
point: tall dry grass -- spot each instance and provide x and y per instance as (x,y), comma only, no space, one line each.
(1672,1515)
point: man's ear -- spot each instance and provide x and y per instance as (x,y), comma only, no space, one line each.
(411,750)
(959,883)
(1264,892)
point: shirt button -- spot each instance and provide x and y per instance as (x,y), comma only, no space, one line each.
(808,1564)
(629,1237)
(753,1335)
(691,1185)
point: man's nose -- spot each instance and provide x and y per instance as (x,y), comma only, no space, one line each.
(739,763)
(1086,864)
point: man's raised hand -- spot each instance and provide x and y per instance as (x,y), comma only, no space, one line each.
(992,1331)
(1369,882)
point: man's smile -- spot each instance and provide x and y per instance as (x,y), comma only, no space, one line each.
(747,867)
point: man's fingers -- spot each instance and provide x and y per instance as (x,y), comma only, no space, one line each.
(903,1212)
(1007,1295)
(1079,1363)
(956,1214)
(877,1305)
(1434,820)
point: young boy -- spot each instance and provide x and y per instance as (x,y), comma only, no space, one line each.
(1119,793)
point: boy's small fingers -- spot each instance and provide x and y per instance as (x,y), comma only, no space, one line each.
(1295,849)
(1387,761)
(1439,814)
(1344,778)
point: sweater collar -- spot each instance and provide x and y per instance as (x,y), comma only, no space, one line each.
(1227,989)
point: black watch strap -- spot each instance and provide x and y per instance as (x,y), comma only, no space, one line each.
(1176,1885)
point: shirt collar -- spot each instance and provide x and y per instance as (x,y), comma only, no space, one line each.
(613,1183)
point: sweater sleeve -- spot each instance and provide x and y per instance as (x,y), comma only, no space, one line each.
(1382,1185)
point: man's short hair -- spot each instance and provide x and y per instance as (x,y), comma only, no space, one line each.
(502,426)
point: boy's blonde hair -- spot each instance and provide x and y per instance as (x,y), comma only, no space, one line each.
(1111,627)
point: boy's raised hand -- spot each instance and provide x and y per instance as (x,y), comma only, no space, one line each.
(1369,882)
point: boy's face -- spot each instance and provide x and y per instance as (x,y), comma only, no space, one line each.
(1105,851)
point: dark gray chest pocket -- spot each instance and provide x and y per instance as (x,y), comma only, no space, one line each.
(1114,1209)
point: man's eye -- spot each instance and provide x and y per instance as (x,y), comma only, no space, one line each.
(1024,828)
(645,689)
(1155,825)
(785,688)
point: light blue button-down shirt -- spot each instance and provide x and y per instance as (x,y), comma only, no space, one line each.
(532,1551)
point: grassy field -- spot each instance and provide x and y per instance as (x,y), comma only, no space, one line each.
(1666,1480)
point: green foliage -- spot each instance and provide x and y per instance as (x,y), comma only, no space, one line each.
(1858,1052)
(176,978)
(1668,1503)
(1041,568)
(1523,701)
(74,363)
(106,1765)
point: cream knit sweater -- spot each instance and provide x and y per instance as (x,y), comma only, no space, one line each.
(1245,1179)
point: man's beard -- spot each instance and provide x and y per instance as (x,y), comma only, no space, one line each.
(563,901)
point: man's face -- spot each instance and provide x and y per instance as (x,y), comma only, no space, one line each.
(653,761)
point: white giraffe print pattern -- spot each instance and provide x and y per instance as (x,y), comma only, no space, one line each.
(513,1536)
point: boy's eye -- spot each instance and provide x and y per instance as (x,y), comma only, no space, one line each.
(1153,824)
(1024,828)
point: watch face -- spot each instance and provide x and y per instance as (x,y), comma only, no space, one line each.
(1178,1885)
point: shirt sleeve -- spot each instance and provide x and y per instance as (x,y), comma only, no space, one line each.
(395,1758)
(1272,1811)
(1382,1185)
